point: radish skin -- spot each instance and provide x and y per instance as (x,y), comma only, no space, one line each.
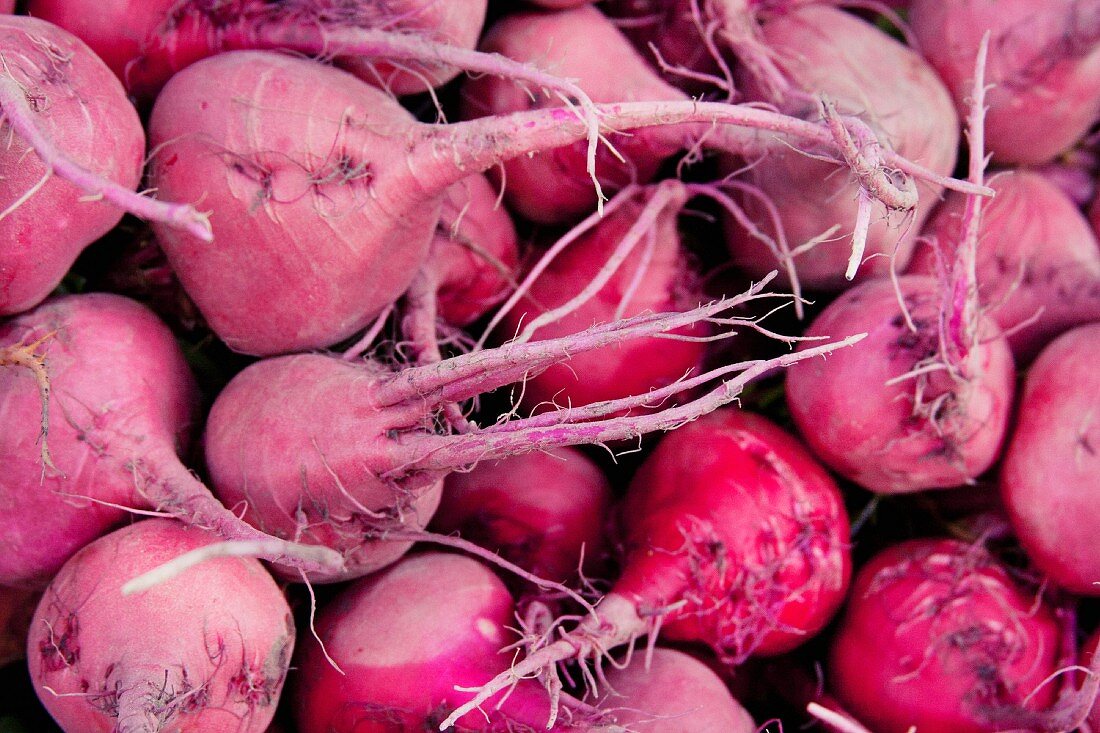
(103,661)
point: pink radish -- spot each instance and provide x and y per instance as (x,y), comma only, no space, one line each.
(205,652)
(1051,471)
(71,161)
(121,403)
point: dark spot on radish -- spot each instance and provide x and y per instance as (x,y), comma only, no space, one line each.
(59,646)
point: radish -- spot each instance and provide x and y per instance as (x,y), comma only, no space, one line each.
(938,635)
(672,692)
(208,652)
(589,282)
(121,402)
(733,536)
(895,415)
(377,671)
(363,474)
(1044,68)
(796,199)
(545,512)
(71,160)
(314,149)
(580,43)
(1051,470)
(476,252)
(1038,263)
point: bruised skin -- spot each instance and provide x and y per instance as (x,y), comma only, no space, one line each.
(41,238)
(207,651)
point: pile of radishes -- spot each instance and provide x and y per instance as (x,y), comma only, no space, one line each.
(712,366)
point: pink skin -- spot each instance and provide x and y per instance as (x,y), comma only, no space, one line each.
(581,44)
(404,639)
(939,636)
(1044,68)
(656,277)
(208,651)
(16,608)
(909,109)
(860,413)
(673,693)
(1038,265)
(92,143)
(7,6)
(121,403)
(1050,469)
(361,473)
(733,537)
(541,511)
(475,252)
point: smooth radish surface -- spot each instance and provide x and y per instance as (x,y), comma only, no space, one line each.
(16,608)
(938,635)
(146,41)
(542,511)
(732,536)
(656,277)
(41,236)
(892,414)
(121,405)
(1044,68)
(475,251)
(363,473)
(582,44)
(404,638)
(674,693)
(207,651)
(1050,477)
(824,50)
(1038,261)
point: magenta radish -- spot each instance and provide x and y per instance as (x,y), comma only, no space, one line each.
(938,635)
(1051,471)
(1038,262)
(797,199)
(208,651)
(364,474)
(71,161)
(732,536)
(656,276)
(121,403)
(896,416)
(397,675)
(545,512)
(313,149)
(1044,68)
(672,693)
(16,608)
